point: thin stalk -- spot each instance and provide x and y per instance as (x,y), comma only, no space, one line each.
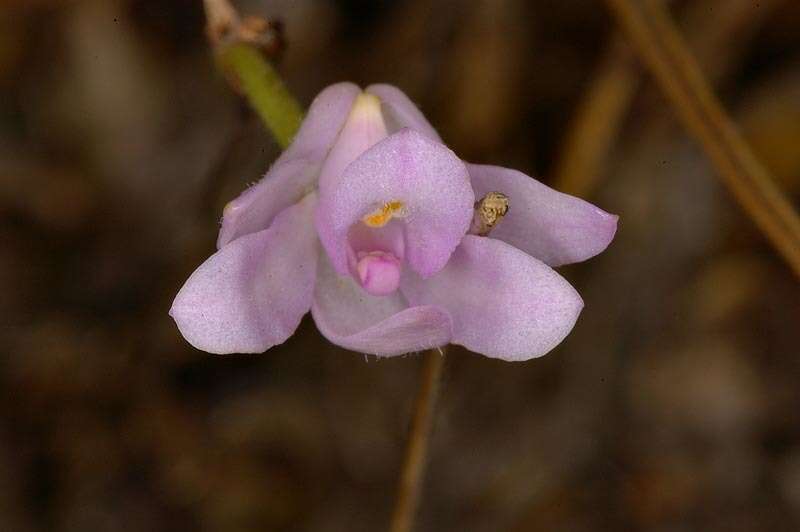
(258,80)
(662,49)
(411,476)
(236,44)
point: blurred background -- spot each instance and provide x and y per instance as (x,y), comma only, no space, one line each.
(673,406)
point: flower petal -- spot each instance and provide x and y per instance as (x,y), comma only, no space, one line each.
(503,303)
(251,294)
(385,326)
(363,128)
(423,176)
(401,112)
(555,228)
(296,171)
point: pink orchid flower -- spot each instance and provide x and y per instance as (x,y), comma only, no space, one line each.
(364,220)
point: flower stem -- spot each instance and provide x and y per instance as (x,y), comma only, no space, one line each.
(663,50)
(240,46)
(411,476)
(264,89)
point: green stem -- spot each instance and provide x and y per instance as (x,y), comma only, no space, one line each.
(264,89)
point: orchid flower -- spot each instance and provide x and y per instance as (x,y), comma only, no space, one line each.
(365,221)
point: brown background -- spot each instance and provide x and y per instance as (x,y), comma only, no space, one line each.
(673,406)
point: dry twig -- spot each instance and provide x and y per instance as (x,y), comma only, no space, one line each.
(663,50)
(411,476)
(596,124)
